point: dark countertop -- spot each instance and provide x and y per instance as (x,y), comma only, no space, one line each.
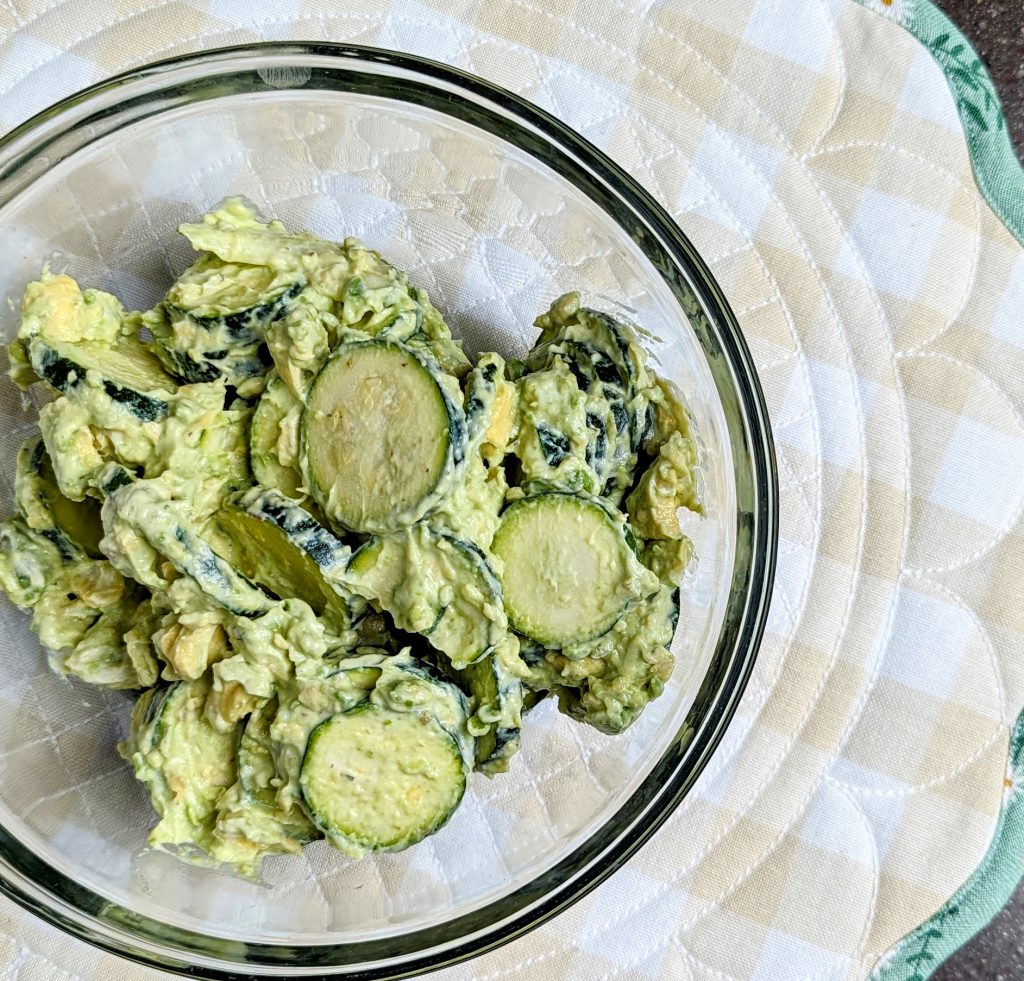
(996,28)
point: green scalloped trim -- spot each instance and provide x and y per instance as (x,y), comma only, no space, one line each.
(980,898)
(997,170)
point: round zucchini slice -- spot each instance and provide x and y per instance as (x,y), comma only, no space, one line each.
(568,571)
(212,321)
(379,780)
(382,442)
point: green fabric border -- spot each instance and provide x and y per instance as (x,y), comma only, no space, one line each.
(980,898)
(997,170)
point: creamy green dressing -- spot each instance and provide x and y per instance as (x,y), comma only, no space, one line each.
(333,657)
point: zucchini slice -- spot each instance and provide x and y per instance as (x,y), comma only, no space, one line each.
(29,561)
(44,507)
(436,585)
(112,477)
(407,684)
(568,571)
(276,543)
(185,763)
(304,704)
(382,440)
(256,769)
(379,780)
(141,509)
(610,370)
(274,438)
(236,299)
(605,349)
(497,703)
(129,376)
(213,319)
(257,773)
(552,444)
(608,682)
(360,672)
(668,484)
(491,409)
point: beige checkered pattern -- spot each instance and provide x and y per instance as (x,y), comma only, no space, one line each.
(813,154)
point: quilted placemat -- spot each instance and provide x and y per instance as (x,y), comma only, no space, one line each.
(845,171)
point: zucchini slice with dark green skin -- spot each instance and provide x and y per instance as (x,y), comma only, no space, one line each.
(45,508)
(383,441)
(436,585)
(378,780)
(192,556)
(257,773)
(302,706)
(608,682)
(130,376)
(184,762)
(276,406)
(612,434)
(604,348)
(552,444)
(276,543)
(243,325)
(112,477)
(197,354)
(496,695)
(481,391)
(212,321)
(609,368)
(568,571)
(238,300)
(408,684)
(361,671)
(390,771)
(29,561)
(165,525)
(147,713)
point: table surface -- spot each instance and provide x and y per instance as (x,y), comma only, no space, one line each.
(996,28)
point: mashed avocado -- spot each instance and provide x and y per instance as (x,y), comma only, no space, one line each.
(333,556)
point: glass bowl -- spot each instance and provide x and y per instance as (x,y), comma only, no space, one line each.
(496,208)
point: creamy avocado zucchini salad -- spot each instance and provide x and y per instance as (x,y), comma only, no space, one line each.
(334,560)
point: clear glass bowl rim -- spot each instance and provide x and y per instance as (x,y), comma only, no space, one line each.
(58,132)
